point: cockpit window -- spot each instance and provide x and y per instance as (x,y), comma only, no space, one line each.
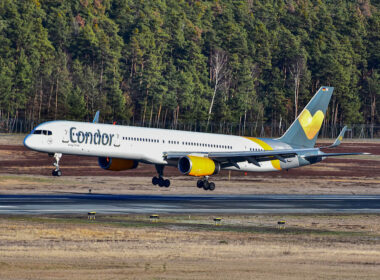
(44,132)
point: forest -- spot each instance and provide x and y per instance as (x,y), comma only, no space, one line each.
(186,61)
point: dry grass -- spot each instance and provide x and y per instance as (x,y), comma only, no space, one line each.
(321,247)
(11,139)
(22,184)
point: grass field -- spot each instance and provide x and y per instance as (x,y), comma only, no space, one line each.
(182,247)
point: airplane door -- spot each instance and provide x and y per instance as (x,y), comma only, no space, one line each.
(117,140)
(65,138)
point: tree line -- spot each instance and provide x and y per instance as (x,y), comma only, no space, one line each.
(178,61)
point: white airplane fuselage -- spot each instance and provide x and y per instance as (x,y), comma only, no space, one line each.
(148,145)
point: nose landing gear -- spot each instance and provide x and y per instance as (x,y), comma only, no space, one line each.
(205,184)
(57,171)
(160,180)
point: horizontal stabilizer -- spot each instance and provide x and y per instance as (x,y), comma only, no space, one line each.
(338,140)
(334,155)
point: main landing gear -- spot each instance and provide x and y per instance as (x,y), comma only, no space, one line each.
(205,184)
(160,180)
(57,171)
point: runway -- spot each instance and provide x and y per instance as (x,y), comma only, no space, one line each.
(187,204)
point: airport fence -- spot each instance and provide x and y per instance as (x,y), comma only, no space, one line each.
(359,131)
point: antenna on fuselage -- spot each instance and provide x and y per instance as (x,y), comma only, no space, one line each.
(96,118)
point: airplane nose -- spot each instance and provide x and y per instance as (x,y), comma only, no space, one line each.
(27,141)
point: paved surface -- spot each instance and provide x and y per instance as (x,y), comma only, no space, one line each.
(182,204)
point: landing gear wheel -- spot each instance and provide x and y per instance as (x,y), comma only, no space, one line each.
(155,181)
(166,183)
(200,183)
(161,181)
(211,186)
(56,173)
(206,185)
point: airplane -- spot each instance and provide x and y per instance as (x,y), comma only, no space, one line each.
(193,153)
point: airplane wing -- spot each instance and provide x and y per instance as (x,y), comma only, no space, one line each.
(231,158)
(96,118)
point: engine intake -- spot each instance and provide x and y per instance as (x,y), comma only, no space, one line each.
(198,166)
(117,164)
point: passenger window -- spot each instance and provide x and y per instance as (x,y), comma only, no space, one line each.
(50,133)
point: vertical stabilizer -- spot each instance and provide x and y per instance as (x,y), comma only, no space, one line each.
(304,130)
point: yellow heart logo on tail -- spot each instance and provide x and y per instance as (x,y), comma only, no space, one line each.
(311,124)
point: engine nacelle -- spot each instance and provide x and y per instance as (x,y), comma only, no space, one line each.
(198,166)
(117,164)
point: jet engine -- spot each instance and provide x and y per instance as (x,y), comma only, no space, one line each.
(198,166)
(117,164)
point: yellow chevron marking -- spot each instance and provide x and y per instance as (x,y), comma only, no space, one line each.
(266,147)
(311,124)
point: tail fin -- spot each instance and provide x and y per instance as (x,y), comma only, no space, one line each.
(304,130)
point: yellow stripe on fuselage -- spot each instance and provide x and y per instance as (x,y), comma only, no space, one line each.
(266,147)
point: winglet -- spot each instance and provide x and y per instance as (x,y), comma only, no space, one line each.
(339,139)
(96,118)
